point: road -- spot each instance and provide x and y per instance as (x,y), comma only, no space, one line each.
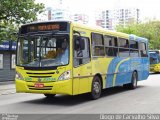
(144,99)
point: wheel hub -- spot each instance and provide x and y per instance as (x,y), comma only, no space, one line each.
(96,87)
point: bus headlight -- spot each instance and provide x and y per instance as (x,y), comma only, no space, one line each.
(64,76)
(18,76)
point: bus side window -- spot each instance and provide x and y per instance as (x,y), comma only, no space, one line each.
(133,45)
(110,43)
(81,51)
(143,49)
(123,47)
(97,44)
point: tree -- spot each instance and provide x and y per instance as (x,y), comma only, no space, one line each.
(7,31)
(149,30)
(16,12)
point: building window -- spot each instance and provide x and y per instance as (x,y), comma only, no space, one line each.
(1,61)
(13,61)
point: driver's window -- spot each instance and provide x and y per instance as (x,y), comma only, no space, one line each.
(81,56)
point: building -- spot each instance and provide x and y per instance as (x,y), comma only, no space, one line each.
(7,60)
(57,12)
(81,18)
(98,18)
(60,14)
(110,18)
(127,16)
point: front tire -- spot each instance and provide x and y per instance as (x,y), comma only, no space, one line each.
(96,88)
(133,83)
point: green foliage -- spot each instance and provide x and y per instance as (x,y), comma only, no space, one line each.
(8,31)
(16,12)
(149,30)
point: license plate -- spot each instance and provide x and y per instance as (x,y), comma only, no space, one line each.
(38,85)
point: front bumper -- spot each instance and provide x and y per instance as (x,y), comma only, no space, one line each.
(60,87)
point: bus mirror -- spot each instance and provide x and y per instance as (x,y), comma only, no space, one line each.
(79,43)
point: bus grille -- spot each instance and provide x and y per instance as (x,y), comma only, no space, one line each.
(40,75)
(44,88)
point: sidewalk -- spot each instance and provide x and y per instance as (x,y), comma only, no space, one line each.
(7,87)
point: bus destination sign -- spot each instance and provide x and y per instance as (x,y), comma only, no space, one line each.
(39,27)
(43,27)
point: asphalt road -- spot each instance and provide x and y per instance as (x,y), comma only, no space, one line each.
(144,99)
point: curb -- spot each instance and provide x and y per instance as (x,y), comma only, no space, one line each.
(7,93)
(7,87)
(7,82)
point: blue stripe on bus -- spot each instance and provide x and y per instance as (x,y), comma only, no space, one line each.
(116,78)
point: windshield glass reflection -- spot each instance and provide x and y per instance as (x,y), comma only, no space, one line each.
(43,51)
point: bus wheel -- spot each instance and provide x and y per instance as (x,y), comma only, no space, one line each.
(96,88)
(50,95)
(133,83)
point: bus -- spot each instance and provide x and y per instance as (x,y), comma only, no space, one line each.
(64,57)
(154,61)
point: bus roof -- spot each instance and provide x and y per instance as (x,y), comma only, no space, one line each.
(99,29)
(110,32)
(137,38)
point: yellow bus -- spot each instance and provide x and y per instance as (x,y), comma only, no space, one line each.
(154,61)
(63,57)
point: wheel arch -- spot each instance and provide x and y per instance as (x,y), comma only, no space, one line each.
(101,79)
(136,73)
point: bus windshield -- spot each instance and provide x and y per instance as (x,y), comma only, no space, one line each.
(43,50)
(154,58)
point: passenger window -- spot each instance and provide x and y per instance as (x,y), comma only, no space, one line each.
(123,43)
(111,51)
(110,41)
(134,53)
(97,39)
(133,48)
(110,44)
(133,44)
(143,49)
(123,52)
(123,47)
(81,56)
(97,45)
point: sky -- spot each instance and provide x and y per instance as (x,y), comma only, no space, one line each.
(148,8)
